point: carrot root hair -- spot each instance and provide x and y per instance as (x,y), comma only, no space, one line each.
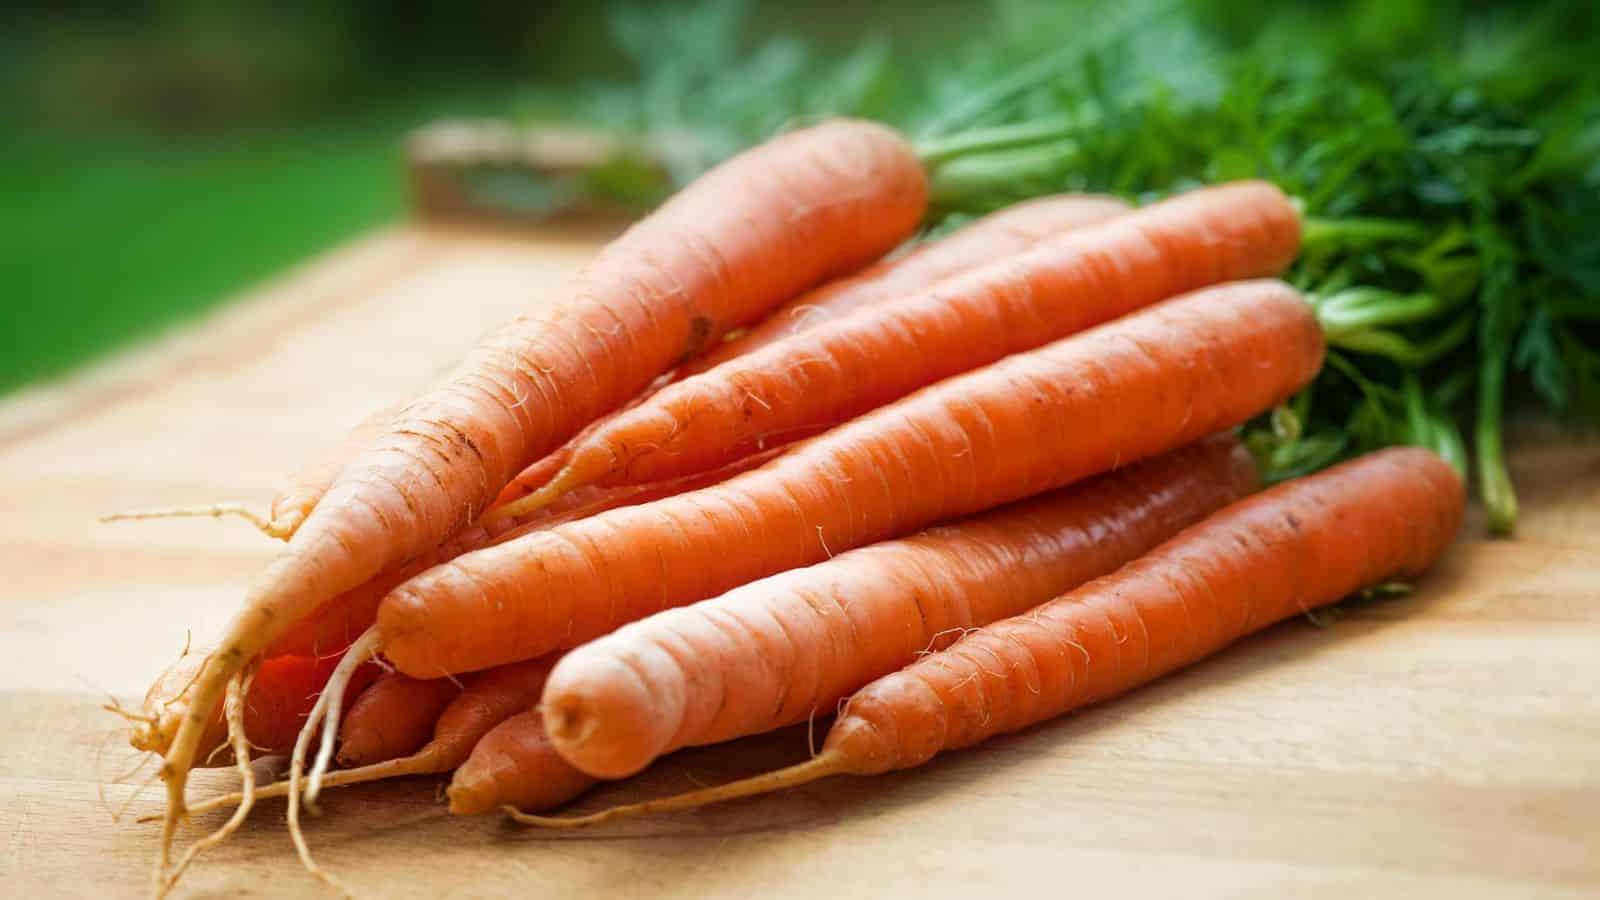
(233,713)
(423,762)
(814,769)
(272,528)
(327,708)
(364,648)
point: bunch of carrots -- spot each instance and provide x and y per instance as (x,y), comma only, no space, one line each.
(757,467)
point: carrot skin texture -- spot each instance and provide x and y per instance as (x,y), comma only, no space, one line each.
(1031,423)
(450,731)
(838,370)
(491,697)
(778,650)
(1010,230)
(515,764)
(1303,544)
(393,717)
(336,623)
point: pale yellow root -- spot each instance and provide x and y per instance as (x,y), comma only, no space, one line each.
(233,711)
(203,694)
(553,490)
(816,768)
(325,709)
(151,730)
(364,648)
(271,528)
(297,764)
(421,763)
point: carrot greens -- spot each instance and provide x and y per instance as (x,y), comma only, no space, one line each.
(1445,159)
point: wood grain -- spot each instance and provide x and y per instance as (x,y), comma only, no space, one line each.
(1442,745)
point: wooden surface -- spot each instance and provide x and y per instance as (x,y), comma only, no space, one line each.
(1443,745)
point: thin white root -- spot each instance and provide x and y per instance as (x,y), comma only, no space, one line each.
(100,780)
(120,811)
(233,711)
(332,693)
(362,650)
(813,769)
(276,530)
(115,707)
(423,762)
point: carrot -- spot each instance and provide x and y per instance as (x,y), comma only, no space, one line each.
(745,237)
(1300,545)
(280,697)
(836,371)
(515,764)
(992,237)
(393,717)
(339,621)
(595,499)
(995,236)
(1133,388)
(782,649)
(488,699)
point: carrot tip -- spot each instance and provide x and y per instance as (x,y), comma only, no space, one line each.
(233,708)
(813,769)
(553,490)
(523,818)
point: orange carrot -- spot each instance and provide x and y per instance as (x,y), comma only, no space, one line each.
(742,239)
(393,717)
(1300,545)
(785,648)
(280,697)
(339,621)
(1133,388)
(1000,234)
(488,699)
(515,765)
(836,371)
(993,237)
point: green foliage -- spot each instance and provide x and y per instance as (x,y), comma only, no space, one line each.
(1447,160)
(120,236)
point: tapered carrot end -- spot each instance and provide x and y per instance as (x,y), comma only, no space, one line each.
(233,708)
(470,794)
(523,818)
(816,768)
(558,487)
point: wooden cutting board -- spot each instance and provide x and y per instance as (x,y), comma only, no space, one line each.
(1442,745)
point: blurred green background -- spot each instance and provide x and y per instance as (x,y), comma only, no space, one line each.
(157,157)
